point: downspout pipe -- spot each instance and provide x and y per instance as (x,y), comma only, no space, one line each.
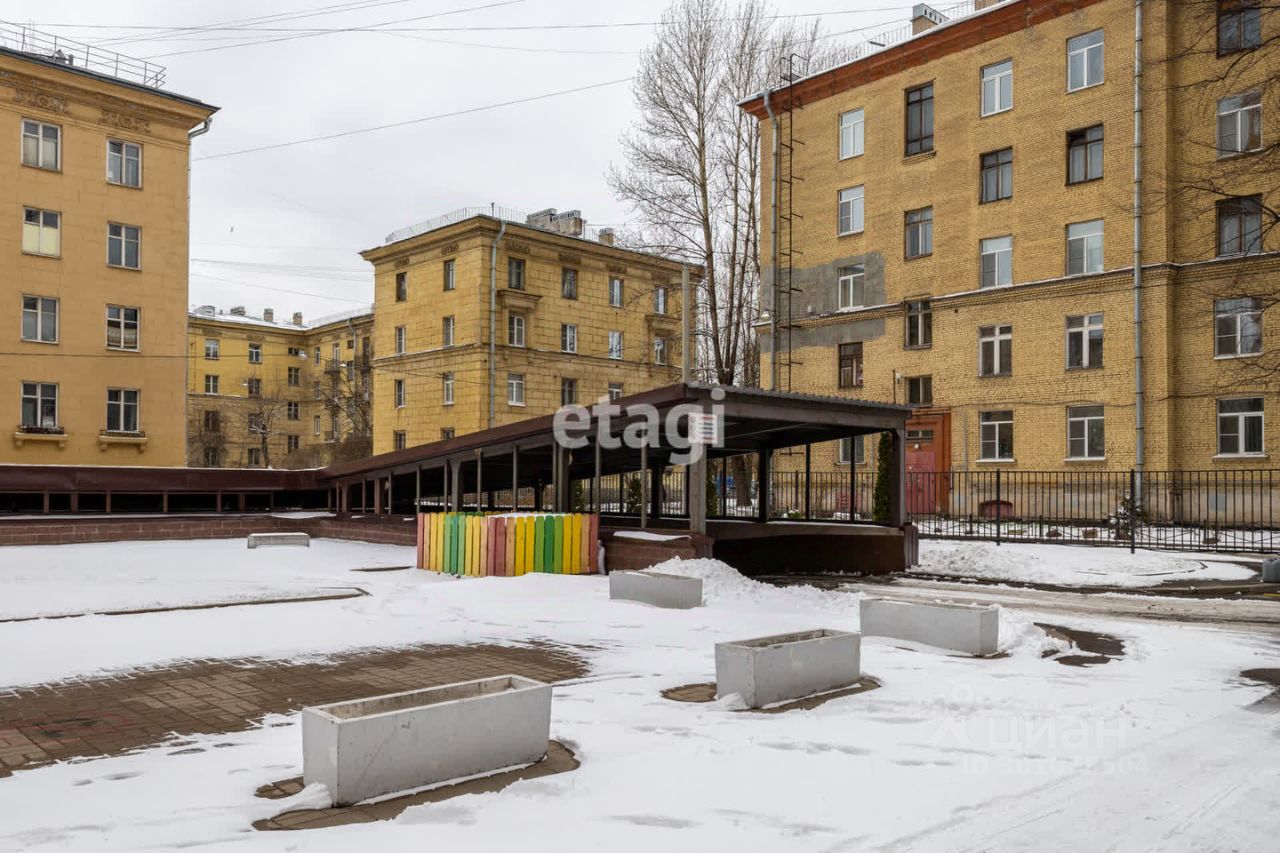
(493,317)
(774,272)
(1139,389)
(199,130)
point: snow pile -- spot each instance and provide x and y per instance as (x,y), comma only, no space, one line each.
(722,583)
(1068,565)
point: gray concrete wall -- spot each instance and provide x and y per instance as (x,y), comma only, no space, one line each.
(768,670)
(660,590)
(958,627)
(820,296)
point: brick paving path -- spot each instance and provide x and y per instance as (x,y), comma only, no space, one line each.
(109,715)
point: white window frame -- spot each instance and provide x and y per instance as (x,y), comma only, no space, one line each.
(994,428)
(35,129)
(997,87)
(660,351)
(1084,417)
(615,391)
(568,338)
(516,326)
(399,440)
(212,349)
(1084,326)
(402,286)
(568,283)
(516,274)
(400,340)
(568,391)
(255,353)
(447,329)
(917,226)
(916,319)
(123,158)
(121,236)
(660,300)
(40,237)
(253,457)
(211,383)
(851,281)
(616,286)
(450,274)
(292,442)
(1239,419)
(996,335)
(315,425)
(39,313)
(446,389)
(41,397)
(854,446)
(1083,51)
(1090,235)
(1240,112)
(850,210)
(515,389)
(852,134)
(399,393)
(616,344)
(998,249)
(293,410)
(1237,312)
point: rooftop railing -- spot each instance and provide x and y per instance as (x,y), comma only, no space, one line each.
(509,214)
(76,54)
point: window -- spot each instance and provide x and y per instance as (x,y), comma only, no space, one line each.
(851,134)
(291,444)
(1239,124)
(918,232)
(254,386)
(398,440)
(212,457)
(40,319)
(997,176)
(123,243)
(1237,327)
(315,425)
(293,411)
(615,292)
(333,426)
(122,410)
(615,345)
(402,287)
(849,211)
(920,390)
(997,87)
(850,365)
(660,300)
(1084,154)
(568,337)
(447,389)
(41,145)
(855,447)
(995,350)
(450,272)
(399,396)
(400,334)
(1085,433)
(124,163)
(1239,427)
(569,283)
(255,353)
(316,356)
(1084,61)
(659,350)
(1084,247)
(336,354)
(996,262)
(515,273)
(446,334)
(257,423)
(568,391)
(447,433)
(212,421)
(615,391)
(920,120)
(40,405)
(919,323)
(211,349)
(41,232)
(253,457)
(515,330)
(122,328)
(210,383)
(296,352)
(295,377)
(997,435)
(1240,225)
(515,389)
(1084,341)
(850,286)
(1239,25)
(316,391)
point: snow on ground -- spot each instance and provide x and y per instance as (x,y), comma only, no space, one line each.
(952,753)
(1069,565)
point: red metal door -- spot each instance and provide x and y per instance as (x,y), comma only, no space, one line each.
(922,468)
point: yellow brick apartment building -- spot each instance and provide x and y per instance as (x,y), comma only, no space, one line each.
(263,392)
(93,181)
(956,224)
(487,317)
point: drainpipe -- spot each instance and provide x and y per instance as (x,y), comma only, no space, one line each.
(773,243)
(1139,412)
(191,134)
(493,314)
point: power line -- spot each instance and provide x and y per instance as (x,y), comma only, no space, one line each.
(436,117)
(255,286)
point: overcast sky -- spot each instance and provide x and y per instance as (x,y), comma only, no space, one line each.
(282,228)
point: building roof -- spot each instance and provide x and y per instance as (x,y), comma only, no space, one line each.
(284,324)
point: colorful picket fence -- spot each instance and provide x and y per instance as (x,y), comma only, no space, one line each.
(508,544)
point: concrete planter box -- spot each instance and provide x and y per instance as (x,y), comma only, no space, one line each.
(1271,570)
(655,588)
(257,540)
(768,670)
(959,627)
(403,741)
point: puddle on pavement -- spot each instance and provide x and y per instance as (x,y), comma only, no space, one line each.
(1102,648)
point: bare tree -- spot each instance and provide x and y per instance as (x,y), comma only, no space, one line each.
(265,412)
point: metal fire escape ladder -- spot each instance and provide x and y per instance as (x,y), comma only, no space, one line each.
(791,69)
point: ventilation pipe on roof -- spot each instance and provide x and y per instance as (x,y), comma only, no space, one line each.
(775,130)
(1139,390)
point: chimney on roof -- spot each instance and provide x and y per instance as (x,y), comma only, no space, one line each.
(924,17)
(606,236)
(269,315)
(206,310)
(570,223)
(237,311)
(297,318)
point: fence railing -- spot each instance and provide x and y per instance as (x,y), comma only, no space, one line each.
(75,54)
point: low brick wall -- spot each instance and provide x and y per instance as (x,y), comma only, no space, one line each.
(625,554)
(65,531)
